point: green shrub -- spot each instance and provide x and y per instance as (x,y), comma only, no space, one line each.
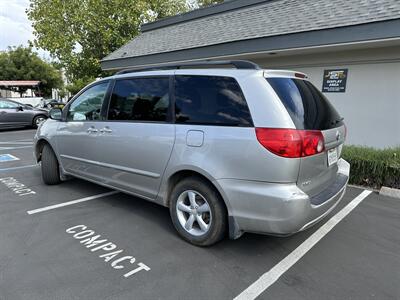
(372,167)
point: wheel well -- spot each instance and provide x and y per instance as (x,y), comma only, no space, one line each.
(178,176)
(39,148)
(40,115)
(175,178)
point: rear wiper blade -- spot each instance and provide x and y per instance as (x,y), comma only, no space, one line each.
(337,121)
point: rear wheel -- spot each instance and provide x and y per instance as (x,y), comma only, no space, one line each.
(50,167)
(37,120)
(198,212)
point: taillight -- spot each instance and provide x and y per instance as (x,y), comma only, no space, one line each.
(291,142)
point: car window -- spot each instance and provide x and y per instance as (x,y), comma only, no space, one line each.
(140,99)
(210,100)
(88,105)
(8,104)
(306,105)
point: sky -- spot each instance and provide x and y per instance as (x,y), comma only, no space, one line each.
(15,28)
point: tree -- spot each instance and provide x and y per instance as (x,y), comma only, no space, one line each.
(204,3)
(21,63)
(79,33)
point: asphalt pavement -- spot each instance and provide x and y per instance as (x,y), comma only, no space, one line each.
(48,246)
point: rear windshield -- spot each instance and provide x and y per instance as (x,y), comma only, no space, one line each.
(307,106)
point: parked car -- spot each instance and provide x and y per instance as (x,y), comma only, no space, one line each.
(52,103)
(227,150)
(14,114)
(30,101)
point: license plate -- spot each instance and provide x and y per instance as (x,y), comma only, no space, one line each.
(332,156)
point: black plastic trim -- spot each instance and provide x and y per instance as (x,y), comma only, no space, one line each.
(332,191)
(238,64)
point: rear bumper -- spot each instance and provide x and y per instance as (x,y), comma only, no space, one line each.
(279,209)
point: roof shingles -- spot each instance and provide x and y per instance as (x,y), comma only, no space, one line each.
(271,18)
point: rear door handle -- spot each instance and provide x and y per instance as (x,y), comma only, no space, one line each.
(106,130)
(92,130)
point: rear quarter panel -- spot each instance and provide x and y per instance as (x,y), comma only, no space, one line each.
(228,153)
(234,152)
(265,106)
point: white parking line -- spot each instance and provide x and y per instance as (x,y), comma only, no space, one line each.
(24,140)
(16,168)
(13,132)
(14,148)
(17,143)
(38,210)
(270,277)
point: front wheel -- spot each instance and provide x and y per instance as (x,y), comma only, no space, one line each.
(198,212)
(50,167)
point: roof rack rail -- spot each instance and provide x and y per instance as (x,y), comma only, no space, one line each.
(238,64)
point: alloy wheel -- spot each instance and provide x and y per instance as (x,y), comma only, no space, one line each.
(194,213)
(39,120)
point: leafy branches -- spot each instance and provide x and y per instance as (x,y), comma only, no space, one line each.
(24,64)
(79,33)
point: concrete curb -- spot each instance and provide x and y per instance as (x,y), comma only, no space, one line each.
(387,191)
(362,187)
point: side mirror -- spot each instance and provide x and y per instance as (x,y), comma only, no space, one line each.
(20,108)
(55,114)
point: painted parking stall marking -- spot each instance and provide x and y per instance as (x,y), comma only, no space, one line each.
(14,147)
(17,168)
(270,277)
(17,187)
(38,210)
(110,252)
(17,143)
(7,157)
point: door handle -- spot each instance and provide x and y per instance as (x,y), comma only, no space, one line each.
(92,130)
(106,130)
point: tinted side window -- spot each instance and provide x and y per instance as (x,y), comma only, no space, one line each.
(88,104)
(140,99)
(7,104)
(306,105)
(210,100)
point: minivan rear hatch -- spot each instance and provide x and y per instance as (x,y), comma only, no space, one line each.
(310,110)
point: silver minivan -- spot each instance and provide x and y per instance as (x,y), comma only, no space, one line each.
(228,150)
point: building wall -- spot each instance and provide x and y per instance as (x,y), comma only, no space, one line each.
(371,103)
(11,94)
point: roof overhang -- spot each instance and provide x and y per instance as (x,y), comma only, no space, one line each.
(16,83)
(363,33)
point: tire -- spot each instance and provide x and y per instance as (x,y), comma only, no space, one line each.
(50,167)
(37,120)
(215,218)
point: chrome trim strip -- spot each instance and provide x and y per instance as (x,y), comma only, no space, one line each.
(112,166)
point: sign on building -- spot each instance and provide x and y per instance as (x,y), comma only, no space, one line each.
(334,81)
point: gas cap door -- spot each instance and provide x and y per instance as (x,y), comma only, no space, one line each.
(195,138)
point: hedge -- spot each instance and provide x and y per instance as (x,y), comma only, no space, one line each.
(373,168)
